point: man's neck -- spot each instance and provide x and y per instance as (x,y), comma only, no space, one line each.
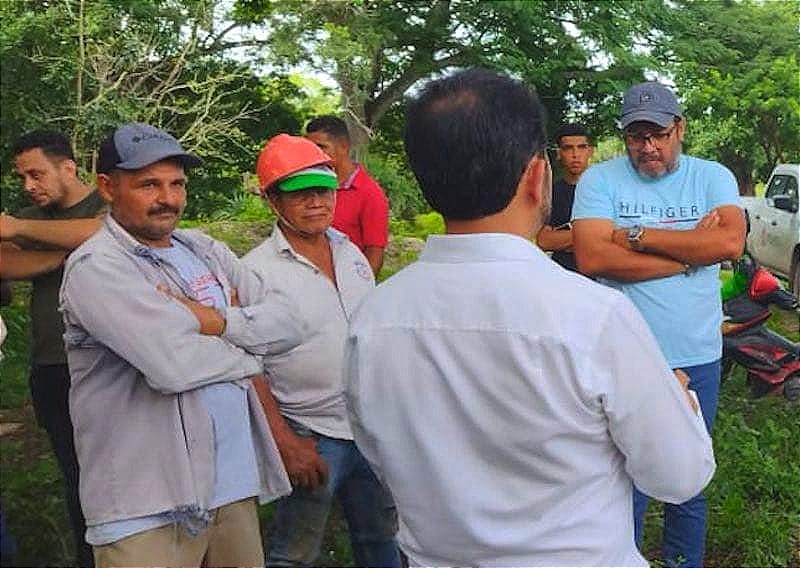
(344,170)
(304,243)
(571,179)
(76,192)
(503,222)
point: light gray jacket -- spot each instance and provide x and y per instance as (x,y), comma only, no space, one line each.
(143,436)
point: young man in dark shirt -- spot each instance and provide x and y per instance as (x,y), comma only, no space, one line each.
(34,242)
(574,151)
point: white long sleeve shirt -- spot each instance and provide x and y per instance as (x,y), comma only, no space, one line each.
(509,405)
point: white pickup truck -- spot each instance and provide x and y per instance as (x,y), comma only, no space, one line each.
(774,238)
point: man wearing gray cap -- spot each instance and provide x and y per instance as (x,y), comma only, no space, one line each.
(164,334)
(655,224)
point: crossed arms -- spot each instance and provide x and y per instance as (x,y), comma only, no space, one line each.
(601,249)
(63,235)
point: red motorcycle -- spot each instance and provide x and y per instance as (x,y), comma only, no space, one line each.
(772,361)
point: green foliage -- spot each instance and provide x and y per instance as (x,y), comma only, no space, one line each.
(423,224)
(401,188)
(736,65)
(607,148)
(755,495)
(31,484)
(407,239)
(86,67)
(377,50)
(16,349)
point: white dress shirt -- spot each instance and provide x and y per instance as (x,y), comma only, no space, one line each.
(510,404)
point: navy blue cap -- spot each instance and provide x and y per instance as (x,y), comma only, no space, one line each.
(650,102)
(135,145)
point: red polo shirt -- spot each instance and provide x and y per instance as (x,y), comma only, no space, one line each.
(362,210)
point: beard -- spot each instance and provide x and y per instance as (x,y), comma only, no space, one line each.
(669,167)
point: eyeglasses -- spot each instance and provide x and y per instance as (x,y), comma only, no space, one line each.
(639,139)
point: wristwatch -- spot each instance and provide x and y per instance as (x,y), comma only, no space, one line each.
(635,235)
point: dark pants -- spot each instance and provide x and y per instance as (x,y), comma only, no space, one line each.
(50,393)
(368,508)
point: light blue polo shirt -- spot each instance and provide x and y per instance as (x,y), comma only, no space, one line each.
(683,311)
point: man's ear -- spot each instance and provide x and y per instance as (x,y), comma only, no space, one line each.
(69,167)
(105,187)
(271,199)
(533,180)
(681,128)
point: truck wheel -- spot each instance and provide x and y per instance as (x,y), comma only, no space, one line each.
(791,388)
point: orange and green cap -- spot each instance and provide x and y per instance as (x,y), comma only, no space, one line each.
(317,177)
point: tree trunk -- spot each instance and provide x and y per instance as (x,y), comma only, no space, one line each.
(743,171)
(359,137)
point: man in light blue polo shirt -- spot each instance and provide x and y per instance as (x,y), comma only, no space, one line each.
(655,224)
(326,276)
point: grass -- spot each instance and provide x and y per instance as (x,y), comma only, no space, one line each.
(754,499)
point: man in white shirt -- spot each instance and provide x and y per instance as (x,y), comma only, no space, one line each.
(326,276)
(509,404)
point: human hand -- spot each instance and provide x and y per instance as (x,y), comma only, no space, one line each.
(709,221)
(683,379)
(8,227)
(620,237)
(303,464)
(211,321)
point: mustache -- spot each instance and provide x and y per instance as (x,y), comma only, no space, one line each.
(158,210)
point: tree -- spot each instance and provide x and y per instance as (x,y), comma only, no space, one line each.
(86,66)
(736,66)
(377,50)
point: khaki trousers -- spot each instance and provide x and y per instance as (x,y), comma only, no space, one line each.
(231,539)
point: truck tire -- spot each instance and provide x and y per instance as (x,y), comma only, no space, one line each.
(794,282)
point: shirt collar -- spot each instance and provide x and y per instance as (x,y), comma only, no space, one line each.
(479,247)
(124,238)
(283,247)
(130,244)
(348,183)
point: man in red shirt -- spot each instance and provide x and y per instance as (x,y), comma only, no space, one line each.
(362,210)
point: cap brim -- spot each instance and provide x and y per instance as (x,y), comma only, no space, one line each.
(308,181)
(663,119)
(188,160)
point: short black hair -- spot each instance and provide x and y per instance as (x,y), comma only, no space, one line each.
(52,144)
(330,125)
(469,138)
(572,129)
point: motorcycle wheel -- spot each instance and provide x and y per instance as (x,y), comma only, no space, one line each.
(791,388)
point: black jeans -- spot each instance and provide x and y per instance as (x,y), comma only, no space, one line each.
(50,393)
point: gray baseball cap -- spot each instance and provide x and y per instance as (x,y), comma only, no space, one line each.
(650,102)
(135,145)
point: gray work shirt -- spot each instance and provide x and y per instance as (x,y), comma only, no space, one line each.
(143,435)
(307,381)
